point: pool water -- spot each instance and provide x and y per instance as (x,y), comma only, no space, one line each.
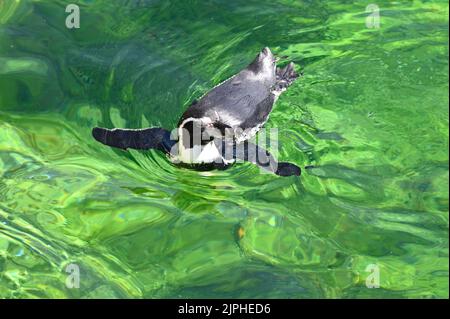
(368,219)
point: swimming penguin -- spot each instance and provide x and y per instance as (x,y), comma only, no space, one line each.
(214,131)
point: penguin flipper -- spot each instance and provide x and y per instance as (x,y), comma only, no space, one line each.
(249,152)
(141,139)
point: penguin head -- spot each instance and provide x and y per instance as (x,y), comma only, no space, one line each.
(196,137)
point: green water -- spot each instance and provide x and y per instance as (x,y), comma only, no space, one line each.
(370,113)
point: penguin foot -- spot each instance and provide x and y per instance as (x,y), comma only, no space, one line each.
(285,77)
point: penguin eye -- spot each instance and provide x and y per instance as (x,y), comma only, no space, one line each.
(210,133)
(207,136)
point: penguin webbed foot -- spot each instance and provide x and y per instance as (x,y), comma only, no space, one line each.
(286,76)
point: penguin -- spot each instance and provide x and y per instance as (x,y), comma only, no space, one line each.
(214,132)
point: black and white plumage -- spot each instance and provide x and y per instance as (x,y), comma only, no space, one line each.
(245,100)
(215,129)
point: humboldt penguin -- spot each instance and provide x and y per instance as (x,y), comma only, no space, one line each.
(215,130)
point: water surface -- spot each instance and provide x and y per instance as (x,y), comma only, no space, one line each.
(370,114)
